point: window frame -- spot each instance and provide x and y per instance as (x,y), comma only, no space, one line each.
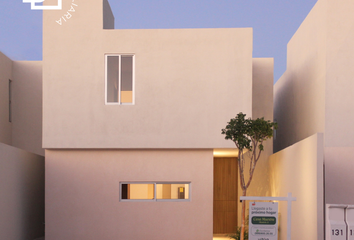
(119,55)
(10,100)
(155,192)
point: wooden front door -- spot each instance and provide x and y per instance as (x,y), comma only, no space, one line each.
(225,195)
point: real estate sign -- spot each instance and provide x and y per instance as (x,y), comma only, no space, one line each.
(263,221)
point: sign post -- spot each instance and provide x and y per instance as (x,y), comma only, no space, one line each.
(263,221)
(289,199)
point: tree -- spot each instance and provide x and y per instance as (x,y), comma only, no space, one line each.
(248,136)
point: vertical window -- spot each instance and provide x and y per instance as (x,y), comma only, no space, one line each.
(119,79)
(10,102)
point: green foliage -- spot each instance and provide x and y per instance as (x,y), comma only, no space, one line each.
(246,133)
(237,235)
(237,130)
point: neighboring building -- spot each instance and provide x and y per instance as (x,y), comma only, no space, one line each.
(315,93)
(143,109)
(314,109)
(21,153)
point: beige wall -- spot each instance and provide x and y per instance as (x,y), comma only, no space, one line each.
(82,194)
(27,106)
(339,175)
(25,129)
(314,94)
(189,83)
(299,95)
(262,88)
(22,194)
(340,72)
(262,106)
(299,169)
(5,75)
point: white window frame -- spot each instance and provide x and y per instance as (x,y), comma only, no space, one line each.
(155,194)
(10,100)
(119,78)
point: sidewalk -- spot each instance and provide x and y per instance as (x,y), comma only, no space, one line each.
(215,237)
(220,237)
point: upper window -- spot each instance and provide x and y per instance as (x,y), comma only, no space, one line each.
(119,79)
(10,100)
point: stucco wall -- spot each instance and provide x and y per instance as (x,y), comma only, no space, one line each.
(27,106)
(314,94)
(22,194)
(262,88)
(299,95)
(5,75)
(299,169)
(188,84)
(262,106)
(82,195)
(339,79)
(25,129)
(339,177)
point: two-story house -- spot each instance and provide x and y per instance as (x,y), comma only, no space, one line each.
(132,126)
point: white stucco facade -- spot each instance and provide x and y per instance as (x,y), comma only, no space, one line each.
(188,83)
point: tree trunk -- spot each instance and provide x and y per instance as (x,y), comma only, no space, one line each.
(243,215)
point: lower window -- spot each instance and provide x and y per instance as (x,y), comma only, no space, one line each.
(155,191)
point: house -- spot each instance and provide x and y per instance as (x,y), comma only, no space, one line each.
(132,121)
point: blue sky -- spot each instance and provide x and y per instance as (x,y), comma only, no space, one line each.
(273,22)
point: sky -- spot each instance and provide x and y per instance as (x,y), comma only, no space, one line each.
(274,22)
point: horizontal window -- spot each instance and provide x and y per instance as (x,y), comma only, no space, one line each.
(155,191)
(172,190)
(142,191)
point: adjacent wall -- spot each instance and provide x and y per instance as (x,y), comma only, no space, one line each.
(315,92)
(299,169)
(82,195)
(339,175)
(262,88)
(299,95)
(27,106)
(22,194)
(5,76)
(339,80)
(262,106)
(25,129)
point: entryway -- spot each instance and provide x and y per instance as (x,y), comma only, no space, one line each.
(225,195)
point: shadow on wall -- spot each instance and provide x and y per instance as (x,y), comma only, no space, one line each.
(283,99)
(299,104)
(22,194)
